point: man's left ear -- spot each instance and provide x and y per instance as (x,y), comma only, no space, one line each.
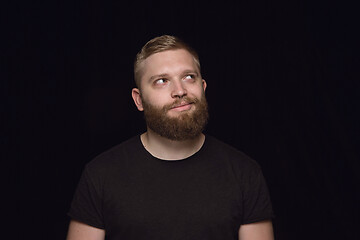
(204,84)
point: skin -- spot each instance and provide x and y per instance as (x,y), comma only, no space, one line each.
(257,231)
(167,76)
(82,231)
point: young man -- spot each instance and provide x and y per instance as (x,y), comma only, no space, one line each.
(171,182)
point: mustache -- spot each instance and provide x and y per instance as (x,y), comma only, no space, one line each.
(180,101)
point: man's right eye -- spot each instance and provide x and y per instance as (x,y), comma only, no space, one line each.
(160,81)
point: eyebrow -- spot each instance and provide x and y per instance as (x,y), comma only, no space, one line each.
(158,76)
(195,72)
(165,75)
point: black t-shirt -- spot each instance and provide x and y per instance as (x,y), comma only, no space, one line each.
(133,195)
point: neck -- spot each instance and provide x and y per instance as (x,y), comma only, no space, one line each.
(166,149)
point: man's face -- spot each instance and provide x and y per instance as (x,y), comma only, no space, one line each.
(172,95)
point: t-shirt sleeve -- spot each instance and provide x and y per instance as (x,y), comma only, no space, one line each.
(86,205)
(256,199)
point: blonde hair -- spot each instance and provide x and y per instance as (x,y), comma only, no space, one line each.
(160,44)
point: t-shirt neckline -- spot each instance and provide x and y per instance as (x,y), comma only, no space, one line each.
(193,156)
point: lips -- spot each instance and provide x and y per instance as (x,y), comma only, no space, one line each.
(182,104)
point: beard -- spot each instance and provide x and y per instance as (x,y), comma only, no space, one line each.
(185,126)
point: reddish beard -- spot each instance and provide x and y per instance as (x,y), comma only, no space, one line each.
(185,126)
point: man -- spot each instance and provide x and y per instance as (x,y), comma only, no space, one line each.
(171,182)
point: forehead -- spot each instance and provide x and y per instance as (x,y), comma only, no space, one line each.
(168,62)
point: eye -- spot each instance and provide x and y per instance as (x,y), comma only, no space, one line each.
(160,81)
(189,77)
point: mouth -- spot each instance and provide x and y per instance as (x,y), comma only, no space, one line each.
(182,106)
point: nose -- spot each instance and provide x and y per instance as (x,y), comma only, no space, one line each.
(178,90)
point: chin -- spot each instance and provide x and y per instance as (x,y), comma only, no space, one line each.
(174,114)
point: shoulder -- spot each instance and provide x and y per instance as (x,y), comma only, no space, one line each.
(236,158)
(115,156)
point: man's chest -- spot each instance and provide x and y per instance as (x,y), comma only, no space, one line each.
(195,202)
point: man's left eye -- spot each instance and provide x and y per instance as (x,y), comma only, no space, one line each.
(160,81)
(190,76)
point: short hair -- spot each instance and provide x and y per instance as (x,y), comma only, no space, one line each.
(160,44)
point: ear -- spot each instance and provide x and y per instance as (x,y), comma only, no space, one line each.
(135,93)
(204,84)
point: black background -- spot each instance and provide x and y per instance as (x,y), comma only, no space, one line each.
(283,86)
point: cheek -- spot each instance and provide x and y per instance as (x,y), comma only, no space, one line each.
(198,91)
(157,100)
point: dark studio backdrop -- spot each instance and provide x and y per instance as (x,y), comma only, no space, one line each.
(282,87)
